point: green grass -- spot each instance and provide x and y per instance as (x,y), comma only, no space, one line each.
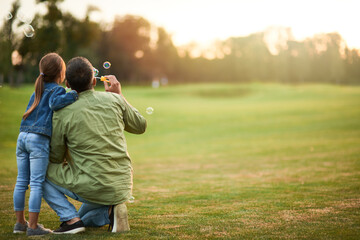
(258,161)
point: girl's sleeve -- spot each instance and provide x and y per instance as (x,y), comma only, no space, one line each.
(60,98)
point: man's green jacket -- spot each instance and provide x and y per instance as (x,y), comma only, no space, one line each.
(89,134)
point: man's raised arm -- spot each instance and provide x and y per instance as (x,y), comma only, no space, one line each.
(134,121)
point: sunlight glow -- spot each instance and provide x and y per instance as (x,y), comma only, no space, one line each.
(204,21)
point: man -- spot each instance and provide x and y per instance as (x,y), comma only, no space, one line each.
(89,134)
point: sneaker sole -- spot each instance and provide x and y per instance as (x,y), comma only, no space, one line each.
(17,231)
(121,223)
(73,231)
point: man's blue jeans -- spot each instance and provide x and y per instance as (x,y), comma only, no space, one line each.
(92,214)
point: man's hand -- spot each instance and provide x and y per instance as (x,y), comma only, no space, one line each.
(114,86)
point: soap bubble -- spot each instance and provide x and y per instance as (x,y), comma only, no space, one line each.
(149,110)
(9,16)
(106,65)
(96,72)
(29,31)
(131,199)
(24,18)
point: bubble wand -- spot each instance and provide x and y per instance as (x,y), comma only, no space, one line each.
(103,79)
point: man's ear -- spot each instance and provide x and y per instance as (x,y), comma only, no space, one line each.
(67,84)
(94,82)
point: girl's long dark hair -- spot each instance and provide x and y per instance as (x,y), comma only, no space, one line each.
(51,67)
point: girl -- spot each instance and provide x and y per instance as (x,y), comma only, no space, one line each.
(32,150)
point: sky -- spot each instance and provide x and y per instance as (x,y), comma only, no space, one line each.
(204,21)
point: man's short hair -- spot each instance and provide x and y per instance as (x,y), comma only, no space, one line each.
(79,74)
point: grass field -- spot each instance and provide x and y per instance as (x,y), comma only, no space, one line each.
(257,161)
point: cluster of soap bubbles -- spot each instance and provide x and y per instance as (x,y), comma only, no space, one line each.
(106,65)
(28,30)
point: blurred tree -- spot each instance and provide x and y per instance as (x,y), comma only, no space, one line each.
(61,33)
(334,57)
(8,44)
(326,59)
(47,38)
(126,46)
(166,55)
(80,37)
(294,63)
(249,58)
(352,65)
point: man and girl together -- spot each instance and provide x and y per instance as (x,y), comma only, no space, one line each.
(72,144)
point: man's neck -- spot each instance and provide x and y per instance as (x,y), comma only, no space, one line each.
(92,89)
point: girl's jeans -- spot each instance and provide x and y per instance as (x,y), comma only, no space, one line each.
(32,155)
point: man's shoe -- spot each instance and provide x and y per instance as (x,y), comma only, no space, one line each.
(40,230)
(119,218)
(20,228)
(70,229)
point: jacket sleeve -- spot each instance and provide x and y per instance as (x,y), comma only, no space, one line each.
(60,98)
(134,121)
(58,141)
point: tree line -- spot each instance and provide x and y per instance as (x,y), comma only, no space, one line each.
(140,53)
